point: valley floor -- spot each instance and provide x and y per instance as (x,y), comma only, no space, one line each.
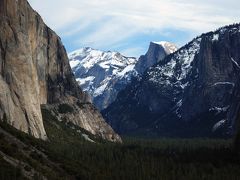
(67,155)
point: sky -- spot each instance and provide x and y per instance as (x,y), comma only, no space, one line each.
(128,26)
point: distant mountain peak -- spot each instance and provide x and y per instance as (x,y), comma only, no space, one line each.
(157,51)
(102,73)
(168,46)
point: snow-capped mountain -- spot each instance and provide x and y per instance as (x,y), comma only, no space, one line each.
(186,94)
(104,74)
(168,47)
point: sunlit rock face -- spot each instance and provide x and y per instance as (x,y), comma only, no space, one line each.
(35,70)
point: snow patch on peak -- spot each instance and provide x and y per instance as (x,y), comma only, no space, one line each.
(168,47)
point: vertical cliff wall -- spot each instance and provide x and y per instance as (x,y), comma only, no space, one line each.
(34,70)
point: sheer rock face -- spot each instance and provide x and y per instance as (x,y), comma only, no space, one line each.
(157,51)
(186,94)
(34,70)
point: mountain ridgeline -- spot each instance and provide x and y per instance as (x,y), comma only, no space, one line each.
(35,72)
(188,94)
(49,129)
(104,74)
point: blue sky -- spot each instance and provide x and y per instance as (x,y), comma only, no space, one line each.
(128,26)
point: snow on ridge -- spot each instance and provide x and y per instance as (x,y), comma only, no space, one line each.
(162,43)
(223,83)
(84,80)
(74,63)
(235,62)
(126,70)
(218,125)
(178,105)
(168,47)
(88,58)
(97,71)
(219,110)
(183,57)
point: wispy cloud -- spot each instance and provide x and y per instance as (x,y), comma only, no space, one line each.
(108,23)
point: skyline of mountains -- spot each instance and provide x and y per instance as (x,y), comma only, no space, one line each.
(176,76)
(185,95)
(104,74)
(168,105)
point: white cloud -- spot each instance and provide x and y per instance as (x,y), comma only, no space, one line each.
(106,23)
(109,33)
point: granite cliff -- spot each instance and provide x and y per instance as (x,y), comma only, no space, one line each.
(35,71)
(157,51)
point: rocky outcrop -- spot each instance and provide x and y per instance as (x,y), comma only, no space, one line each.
(187,94)
(157,51)
(34,70)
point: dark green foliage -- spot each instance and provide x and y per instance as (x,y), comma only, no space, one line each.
(7,147)
(237,142)
(30,158)
(65,108)
(136,159)
(141,158)
(8,172)
(2,136)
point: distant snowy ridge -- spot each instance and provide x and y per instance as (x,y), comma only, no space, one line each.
(88,57)
(102,74)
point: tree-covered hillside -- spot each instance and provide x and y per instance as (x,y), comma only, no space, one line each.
(67,155)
